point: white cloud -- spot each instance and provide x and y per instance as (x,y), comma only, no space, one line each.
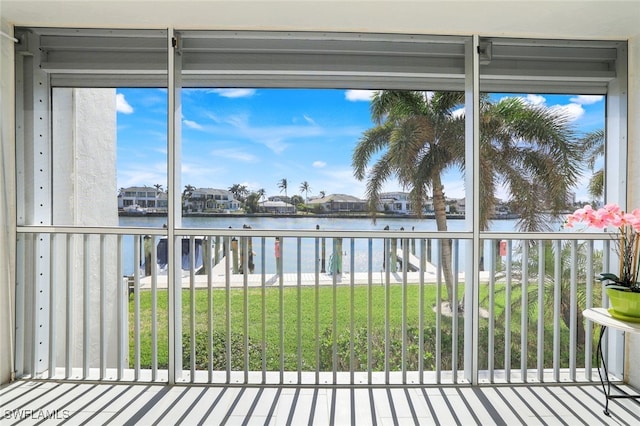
(234,93)
(200,175)
(309,120)
(573,111)
(359,95)
(319,164)
(122,105)
(342,181)
(240,121)
(136,174)
(587,99)
(234,154)
(275,144)
(535,99)
(273,137)
(192,124)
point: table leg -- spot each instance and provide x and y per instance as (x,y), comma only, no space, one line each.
(604,380)
(600,360)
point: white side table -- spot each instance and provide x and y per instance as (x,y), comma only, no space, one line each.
(603,317)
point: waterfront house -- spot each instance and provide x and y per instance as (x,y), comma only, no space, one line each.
(395,202)
(338,203)
(145,197)
(211,200)
(277,207)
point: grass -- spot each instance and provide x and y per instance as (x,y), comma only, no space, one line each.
(297,309)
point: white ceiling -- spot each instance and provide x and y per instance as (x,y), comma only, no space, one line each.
(609,20)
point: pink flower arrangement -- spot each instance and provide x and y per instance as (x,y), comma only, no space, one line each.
(627,241)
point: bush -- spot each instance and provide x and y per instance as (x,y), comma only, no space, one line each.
(360,356)
(219,352)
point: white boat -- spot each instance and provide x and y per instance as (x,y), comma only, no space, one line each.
(135,209)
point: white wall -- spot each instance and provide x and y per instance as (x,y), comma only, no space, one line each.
(7,204)
(84,129)
(87,118)
(633,346)
(590,20)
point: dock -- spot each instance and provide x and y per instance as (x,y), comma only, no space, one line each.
(256,280)
(413,263)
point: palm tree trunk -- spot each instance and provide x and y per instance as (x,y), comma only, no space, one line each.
(439,207)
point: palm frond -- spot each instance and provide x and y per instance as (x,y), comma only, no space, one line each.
(374,140)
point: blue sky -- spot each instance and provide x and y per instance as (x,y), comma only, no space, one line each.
(256,137)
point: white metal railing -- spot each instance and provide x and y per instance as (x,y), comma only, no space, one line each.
(305,307)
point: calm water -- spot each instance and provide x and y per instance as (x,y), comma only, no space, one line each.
(359,256)
(310,223)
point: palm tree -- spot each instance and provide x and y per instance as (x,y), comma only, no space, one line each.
(158,186)
(305,187)
(261,193)
(322,194)
(593,145)
(282,185)
(188,191)
(239,191)
(563,287)
(251,202)
(186,194)
(528,149)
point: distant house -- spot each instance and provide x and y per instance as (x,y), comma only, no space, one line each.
(395,202)
(338,203)
(145,197)
(277,207)
(279,198)
(211,200)
(428,206)
(456,205)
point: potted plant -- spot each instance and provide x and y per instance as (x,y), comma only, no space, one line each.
(623,288)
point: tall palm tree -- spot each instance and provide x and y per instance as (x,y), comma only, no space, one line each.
(593,145)
(527,149)
(158,186)
(282,185)
(261,193)
(305,187)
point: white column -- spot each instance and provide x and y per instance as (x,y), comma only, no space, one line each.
(84,188)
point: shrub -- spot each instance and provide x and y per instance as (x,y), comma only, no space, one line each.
(219,352)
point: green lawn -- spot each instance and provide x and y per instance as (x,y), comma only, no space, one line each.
(290,304)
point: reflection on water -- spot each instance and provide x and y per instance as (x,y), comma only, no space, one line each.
(349,254)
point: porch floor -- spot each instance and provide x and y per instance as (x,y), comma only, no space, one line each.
(48,402)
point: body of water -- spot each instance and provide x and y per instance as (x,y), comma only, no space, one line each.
(352,255)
